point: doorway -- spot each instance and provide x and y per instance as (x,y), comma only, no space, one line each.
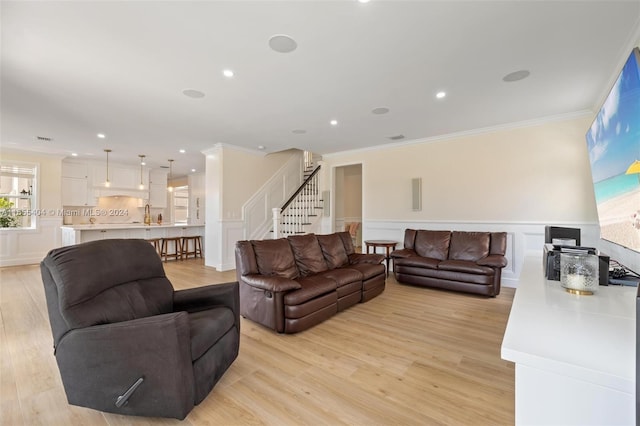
(348,202)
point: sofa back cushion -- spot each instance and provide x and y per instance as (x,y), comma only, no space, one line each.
(274,257)
(347,242)
(308,254)
(433,244)
(470,246)
(409,238)
(333,250)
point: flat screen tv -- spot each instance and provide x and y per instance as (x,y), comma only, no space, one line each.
(613,142)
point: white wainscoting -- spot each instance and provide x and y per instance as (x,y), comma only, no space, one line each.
(229,231)
(522,238)
(30,246)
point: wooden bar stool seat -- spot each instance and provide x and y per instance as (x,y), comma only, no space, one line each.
(177,248)
(197,247)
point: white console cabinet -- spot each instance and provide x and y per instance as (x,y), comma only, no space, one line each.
(574,355)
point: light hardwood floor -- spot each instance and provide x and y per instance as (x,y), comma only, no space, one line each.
(411,356)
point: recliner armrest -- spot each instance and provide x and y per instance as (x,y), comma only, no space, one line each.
(355,258)
(201,298)
(494,261)
(271,283)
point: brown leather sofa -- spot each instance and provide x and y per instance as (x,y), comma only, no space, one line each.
(291,284)
(471,262)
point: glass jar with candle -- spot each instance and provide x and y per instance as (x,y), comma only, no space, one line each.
(579,273)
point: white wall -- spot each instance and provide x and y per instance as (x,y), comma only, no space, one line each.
(233,175)
(514,179)
(28,246)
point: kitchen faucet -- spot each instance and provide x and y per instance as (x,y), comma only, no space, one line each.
(147,215)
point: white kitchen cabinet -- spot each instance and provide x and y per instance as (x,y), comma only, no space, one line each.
(76,185)
(104,234)
(158,188)
(196,199)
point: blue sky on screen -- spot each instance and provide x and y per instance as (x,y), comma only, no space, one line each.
(614,137)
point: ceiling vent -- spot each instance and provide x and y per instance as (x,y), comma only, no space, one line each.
(44,139)
(396,137)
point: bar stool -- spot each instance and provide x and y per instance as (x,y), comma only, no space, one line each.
(155,242)
(197,246)
(177,245)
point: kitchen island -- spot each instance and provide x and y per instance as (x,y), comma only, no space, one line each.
(76,234)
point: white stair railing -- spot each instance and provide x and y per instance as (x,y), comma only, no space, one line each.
(301,210)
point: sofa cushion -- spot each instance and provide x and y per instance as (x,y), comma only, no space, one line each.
(465,266)
(310,287)
(308,254)
(417,261)
(333,250)
(470,246)
(274,257)
(434,244)
(343,276)
(368,270)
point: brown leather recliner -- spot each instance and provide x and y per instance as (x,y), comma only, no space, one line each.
(291,284)
(125,341)
(471,262)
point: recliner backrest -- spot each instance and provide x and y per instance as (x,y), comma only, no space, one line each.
(103,282)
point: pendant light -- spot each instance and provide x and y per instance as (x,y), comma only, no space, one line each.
(141,186)
(107,183)
(170,187)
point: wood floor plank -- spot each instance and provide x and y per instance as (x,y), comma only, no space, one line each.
(411,356)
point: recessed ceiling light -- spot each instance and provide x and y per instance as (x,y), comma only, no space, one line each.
(193,170)
(380,110)
(192,93)
(228,73)
(441,95)
(363,1)
(334,122)
(282,43)
(101,135)
(260,146)
(182,151)
(299,131)
(74,154)
(516,76)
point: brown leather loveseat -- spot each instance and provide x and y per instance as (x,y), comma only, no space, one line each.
(471,262)
(291,284)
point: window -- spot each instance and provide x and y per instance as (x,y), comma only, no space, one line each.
(17,195)
(181,204)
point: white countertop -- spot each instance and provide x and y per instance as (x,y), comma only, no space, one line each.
(591,338)
(102,226)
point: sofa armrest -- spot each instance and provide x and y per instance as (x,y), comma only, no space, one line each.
(355,258)
(274,284)
(99,363)
(402,253)
(494,261)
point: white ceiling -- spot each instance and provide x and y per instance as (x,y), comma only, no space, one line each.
(73,69)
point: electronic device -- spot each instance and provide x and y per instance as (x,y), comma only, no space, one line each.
(551,261)
(552,233)
(613,143)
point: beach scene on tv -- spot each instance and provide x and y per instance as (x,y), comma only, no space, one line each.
(614,152)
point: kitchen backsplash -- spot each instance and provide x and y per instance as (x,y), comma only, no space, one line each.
(111,210)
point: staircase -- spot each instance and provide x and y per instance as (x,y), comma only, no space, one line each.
(302,210)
